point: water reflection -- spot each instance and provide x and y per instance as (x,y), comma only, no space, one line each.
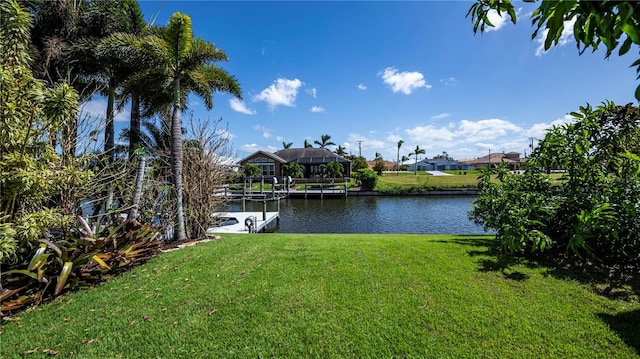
(419,214)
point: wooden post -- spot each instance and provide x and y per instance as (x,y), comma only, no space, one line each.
(305,191)
(262,185)
(264,209)
(346,188)
(244,206)
(321,190)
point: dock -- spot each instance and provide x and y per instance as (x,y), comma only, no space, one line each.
(238,222)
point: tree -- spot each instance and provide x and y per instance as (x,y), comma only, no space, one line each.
(379,167)
(417,151)
(359,163)
(403,160)
(340,151)
(32,173)
(332,170)
(608,22)
(443,156)
(594,211)
(307,144)
(324,141)
(293,169)
(287,144)
(400,142)
(185,64)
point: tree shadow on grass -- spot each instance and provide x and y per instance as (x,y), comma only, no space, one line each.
(626,325)
(497,262)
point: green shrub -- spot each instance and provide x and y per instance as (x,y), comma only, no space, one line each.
(596,208)
(368,179)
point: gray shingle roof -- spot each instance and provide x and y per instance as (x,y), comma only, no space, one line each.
(309,155)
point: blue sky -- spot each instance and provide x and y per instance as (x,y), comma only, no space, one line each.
(378,72)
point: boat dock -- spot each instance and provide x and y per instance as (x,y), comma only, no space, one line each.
(243,222)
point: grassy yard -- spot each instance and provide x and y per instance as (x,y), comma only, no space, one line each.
(408,182)
(326,296)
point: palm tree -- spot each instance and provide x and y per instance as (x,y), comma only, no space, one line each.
(400,142)
(286,144)
(341,151)
(324,141)
(182,64)
(417,151)
(307,144)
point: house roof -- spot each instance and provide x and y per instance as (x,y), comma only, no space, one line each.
(493,158)
(309,156)
(265,154)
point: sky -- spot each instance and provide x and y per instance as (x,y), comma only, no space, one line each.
(372,73)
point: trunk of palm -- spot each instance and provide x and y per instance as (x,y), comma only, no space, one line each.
(179,232)
(134,126)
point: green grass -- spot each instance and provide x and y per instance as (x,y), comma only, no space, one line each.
(331,296)
(392,183)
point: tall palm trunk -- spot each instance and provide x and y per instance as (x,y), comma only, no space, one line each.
(179,232)
(134,126)
(109,128)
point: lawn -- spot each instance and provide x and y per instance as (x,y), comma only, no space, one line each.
(331,296)
(408,182)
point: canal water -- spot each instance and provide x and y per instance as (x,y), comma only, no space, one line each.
(375,214)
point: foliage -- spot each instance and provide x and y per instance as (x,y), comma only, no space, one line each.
(33,177)
(324,141)
(203,157)
(359,163)
(379,167)
(73,260)
(300,296)
(596,22)
(251,170)
(367,178)
(417,151)
(596,208)
(293,169)
(332,170)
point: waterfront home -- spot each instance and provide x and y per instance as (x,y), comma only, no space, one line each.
(438,164)
(511,159)
(311,160)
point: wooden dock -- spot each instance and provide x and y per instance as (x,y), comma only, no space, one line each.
(239,222)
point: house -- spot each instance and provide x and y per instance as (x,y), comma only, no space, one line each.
(438,164)
(511,159)
(388,165)
(311,159)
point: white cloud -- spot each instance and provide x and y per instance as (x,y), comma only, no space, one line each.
(393,138)
(449,81)
(405,82)
(97,109)
(468,139)
(313,92)
(441,116)
(498,20)
(367,143)
(565,38)
(362,87)
(486,129)
(317,109)
(266,132)
(539,130)
(252,147)
(282,92)
(240,106)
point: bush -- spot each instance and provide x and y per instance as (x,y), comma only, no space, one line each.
(596,209)
(368,178)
